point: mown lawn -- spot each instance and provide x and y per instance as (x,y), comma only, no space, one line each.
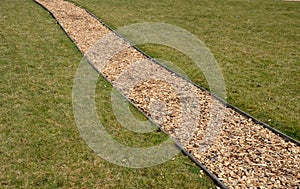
(255,42)
(40,146)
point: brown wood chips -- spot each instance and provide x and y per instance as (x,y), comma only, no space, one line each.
(240,152)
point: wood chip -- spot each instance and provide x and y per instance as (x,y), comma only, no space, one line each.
(240,152)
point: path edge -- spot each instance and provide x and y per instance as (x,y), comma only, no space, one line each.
(216,180)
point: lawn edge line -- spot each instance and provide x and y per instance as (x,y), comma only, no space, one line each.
(221,100)
(184,151)
(211,175)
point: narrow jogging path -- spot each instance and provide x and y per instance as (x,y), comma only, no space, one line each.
(243,154)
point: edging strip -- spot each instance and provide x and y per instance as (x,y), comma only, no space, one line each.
(210,174)
(213,176)
(288,138)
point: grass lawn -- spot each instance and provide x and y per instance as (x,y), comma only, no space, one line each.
(40,146)
(256,43)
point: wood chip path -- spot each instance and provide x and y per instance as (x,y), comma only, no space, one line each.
(243,154)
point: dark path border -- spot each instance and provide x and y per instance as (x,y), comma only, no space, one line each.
(210,174)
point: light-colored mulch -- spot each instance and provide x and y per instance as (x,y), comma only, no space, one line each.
(240,152)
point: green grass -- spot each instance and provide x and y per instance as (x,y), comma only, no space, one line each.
(40,146)
(255,42)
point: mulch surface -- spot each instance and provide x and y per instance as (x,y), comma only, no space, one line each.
(241,153)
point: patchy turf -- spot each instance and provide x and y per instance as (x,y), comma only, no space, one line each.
(255,42)
(40,146)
